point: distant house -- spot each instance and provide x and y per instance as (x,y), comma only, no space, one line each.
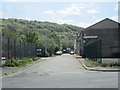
(106,42)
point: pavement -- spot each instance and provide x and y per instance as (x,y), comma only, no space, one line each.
(11,71)
(64,71)
(103,69)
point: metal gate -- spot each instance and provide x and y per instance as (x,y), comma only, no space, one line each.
(94,51)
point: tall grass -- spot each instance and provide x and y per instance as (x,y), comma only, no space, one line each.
(16,63)
(96,63)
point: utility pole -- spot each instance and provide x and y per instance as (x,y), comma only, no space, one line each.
(0,47)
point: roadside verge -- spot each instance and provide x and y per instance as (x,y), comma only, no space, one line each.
(11,71)
(81,60)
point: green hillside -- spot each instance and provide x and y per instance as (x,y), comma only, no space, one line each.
(45,34)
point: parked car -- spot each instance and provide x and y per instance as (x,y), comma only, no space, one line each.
(72,52)
(64,51)
(59,53)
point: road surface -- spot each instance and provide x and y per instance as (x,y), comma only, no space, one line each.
(63,71)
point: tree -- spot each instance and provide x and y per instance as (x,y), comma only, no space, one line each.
(66,44)
(48,35)
(30,36)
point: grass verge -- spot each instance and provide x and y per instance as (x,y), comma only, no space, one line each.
(19,63)
(95,63)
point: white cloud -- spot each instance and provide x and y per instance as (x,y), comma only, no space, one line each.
(92,11)
(83,24)
(48,12)
(99,19)
(68,21)
(60,21)
(86,24)
(73,10)
(115,18)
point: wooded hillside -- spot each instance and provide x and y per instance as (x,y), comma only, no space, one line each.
(44,34)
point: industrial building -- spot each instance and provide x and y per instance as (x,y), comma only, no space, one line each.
(99,40)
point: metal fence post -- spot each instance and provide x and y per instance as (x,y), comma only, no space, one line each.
(24,49)
(20,49)
(96,53)
(100,51)
(8,51)
(15,48)
(0,47)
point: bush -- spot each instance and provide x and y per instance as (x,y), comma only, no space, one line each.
(92,63)
(112,64)
(95,63)
(35,58)
(104,65)
(46,54)
(11,63)
(15,63)
(25,61)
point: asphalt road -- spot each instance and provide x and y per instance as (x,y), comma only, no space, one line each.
(63,71)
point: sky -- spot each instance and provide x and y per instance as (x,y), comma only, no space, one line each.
(77,13)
